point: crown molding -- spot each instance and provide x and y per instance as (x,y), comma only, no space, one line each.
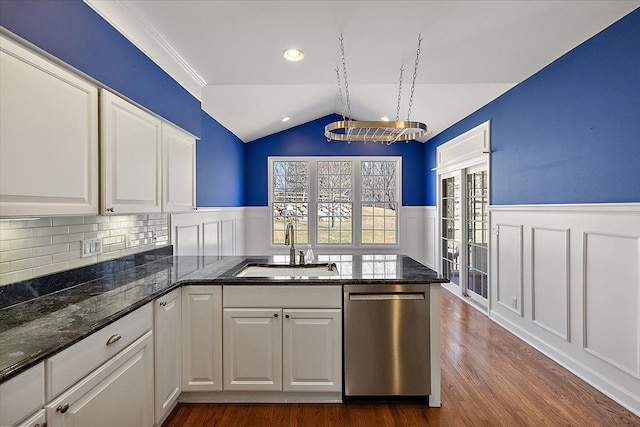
(133,25)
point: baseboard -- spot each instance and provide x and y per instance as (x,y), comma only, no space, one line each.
(621,396)
(260,397)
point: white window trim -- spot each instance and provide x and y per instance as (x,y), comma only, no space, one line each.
(357,204)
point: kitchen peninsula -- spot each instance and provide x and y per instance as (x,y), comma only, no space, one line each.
(44,322)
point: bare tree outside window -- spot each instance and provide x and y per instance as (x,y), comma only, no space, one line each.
(335,203)
(379,202)
(291,199)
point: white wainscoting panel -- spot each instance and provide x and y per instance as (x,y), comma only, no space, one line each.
(611,291)
(431,238)
(211,238)
(209,231)
(508,248)
(550,280)
(257,230)
(579,267)
(227,236)
(187,238)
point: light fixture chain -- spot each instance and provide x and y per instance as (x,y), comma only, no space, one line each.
(415,74)
(340,92)
(399,94)
(344,70)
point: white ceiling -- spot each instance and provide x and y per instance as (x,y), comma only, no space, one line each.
(228,54)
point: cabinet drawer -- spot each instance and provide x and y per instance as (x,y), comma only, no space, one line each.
(68,366)
(22,395)
(118,393)
(282,296)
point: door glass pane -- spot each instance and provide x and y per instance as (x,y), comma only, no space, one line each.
(477,233)
(451,231)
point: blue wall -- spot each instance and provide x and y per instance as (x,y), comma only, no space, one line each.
(571,132)
(74,33)
(308,140)
(220,167)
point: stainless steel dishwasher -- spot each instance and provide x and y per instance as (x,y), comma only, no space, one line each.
(386,340)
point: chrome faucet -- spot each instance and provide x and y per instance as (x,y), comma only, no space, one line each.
(289,239)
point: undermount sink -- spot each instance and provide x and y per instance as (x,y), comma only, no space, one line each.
(283,270)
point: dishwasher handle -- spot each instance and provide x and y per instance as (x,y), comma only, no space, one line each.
(386,296)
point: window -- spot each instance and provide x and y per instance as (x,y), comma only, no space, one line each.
(349,201)
(290,196)
(335,207)
(379,205)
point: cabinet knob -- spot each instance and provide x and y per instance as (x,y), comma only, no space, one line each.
(40,425)
(275,314)
(113,338)
(286,315)
(111,210)
(163,304)
(63,408)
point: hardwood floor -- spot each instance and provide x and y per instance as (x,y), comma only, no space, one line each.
(489,378)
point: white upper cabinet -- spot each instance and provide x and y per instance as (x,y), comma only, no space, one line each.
(48,137)
(179,170)
(130,161)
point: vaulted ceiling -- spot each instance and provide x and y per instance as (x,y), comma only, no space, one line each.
(228,54)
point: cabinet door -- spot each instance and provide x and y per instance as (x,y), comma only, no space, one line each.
(36,420)
(49,137)
(312,350)
(168,352)
(253,349)
(130,159)
(178,169)
(201,338)
(119,393)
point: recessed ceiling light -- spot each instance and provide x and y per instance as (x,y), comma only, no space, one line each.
(384,118)
(286,119)
(293,55)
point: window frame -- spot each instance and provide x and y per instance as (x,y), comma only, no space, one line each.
(356,172)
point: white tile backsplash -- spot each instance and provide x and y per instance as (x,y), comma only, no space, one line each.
(33,248)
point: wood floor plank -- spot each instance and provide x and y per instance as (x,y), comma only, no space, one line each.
(489,378)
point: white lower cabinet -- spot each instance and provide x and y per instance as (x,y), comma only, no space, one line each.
(168,352)
(282,349)
(37,420)
(202,338)
(252,349)
(118,393)
(22,397)
(312,350)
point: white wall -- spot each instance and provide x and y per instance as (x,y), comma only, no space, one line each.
(246,231)
(574,272)
(215,231)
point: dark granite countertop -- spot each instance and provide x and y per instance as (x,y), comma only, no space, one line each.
(40,318)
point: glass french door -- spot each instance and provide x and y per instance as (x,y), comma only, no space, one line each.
(451,227)
(477,234)
(464,206)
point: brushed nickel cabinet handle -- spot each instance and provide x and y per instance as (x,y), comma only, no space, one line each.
(63,408)
(113,338)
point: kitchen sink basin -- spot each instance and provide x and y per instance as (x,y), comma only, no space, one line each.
(283,270)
